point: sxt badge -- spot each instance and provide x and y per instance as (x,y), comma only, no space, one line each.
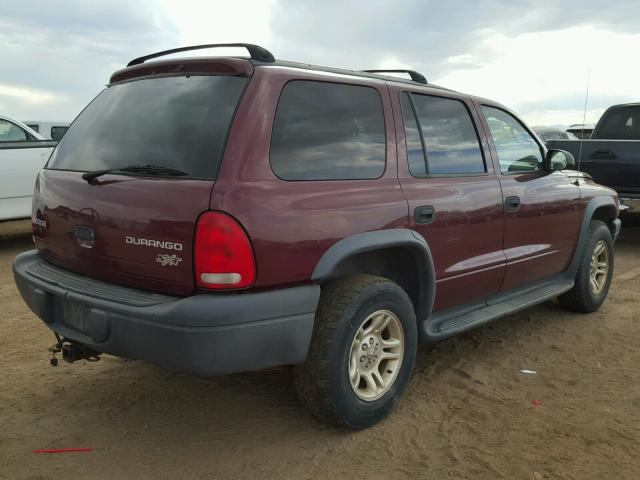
(165,259)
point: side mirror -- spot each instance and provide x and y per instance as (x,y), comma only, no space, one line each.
(559,160)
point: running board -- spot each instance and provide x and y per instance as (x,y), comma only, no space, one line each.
(453,321)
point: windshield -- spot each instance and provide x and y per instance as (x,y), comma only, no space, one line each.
(175,122)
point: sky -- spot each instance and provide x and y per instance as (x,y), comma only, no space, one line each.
(535,57)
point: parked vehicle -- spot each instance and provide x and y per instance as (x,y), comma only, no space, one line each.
(581,130)
(612,154)
(50,130)
(224,214)
(550,133)
(23,153)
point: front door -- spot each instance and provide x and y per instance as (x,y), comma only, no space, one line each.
(454,196)
(543,211)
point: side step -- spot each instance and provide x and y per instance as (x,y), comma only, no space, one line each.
(453,321)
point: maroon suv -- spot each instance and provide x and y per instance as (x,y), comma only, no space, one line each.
(224,214)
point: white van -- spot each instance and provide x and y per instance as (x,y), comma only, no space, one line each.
(49,130)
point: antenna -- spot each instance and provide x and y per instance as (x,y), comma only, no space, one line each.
(584,118)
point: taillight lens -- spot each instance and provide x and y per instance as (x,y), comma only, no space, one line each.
(223,253)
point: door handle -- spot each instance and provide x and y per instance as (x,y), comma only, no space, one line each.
(603,155)
(512,204)
(425,214)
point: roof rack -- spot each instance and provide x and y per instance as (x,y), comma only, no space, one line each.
(415,76)
(256,52)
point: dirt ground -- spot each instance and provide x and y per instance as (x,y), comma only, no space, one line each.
(467,413)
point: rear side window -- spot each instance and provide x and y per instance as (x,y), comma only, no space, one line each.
(448,135)
(176,122)
(328,131)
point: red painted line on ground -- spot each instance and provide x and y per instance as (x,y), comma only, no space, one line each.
(63,450)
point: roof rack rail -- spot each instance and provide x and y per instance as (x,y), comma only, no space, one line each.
(415,76)
(256,52)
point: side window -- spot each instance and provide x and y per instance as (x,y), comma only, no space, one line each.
(517,149)
(328,131)
(58,132)
(450,139)
(11,133)
(415,150)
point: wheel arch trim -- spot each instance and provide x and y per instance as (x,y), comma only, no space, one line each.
(593,206)
(328,267)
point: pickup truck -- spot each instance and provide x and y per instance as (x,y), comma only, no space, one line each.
(23,153)
(612,154)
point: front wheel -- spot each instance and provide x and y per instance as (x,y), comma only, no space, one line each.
(361,354)
(594,273)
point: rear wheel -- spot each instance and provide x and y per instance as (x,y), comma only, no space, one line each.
(594,273)
(361,354)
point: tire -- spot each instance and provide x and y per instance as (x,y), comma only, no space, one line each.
(349,307)
(584,297)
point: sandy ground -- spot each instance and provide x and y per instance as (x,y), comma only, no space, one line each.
(467,413)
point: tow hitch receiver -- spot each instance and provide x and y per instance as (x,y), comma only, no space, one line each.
(71,352)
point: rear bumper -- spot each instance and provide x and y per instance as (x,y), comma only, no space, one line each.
(207,334)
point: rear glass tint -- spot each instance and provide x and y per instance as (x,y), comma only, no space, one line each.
(176,122)
(328,131)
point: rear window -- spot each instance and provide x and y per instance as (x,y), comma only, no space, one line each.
(620,124)
(176,122)
(328,131)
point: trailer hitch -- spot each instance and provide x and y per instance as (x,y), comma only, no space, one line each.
(71,351)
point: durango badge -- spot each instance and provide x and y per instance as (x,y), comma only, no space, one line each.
(165,259)
(150,242)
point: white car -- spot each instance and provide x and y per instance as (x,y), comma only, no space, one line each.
(23,153)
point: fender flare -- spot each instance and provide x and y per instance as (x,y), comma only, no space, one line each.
(328,266)
(593,205)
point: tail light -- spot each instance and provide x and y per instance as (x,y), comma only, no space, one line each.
(223,255)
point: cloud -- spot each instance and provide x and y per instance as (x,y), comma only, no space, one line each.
(64,52)
(529,55)
(532,56)
(28,95)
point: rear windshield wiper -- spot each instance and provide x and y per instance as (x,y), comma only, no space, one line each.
(139,169)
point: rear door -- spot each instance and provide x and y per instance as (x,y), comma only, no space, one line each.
(136,229)
(454,196)
(542,210)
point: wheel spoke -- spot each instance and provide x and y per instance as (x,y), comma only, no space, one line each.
(372,386)
(375,374)
(594,285)
(390,342)
(390,355)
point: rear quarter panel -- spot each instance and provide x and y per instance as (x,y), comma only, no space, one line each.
(292,223)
